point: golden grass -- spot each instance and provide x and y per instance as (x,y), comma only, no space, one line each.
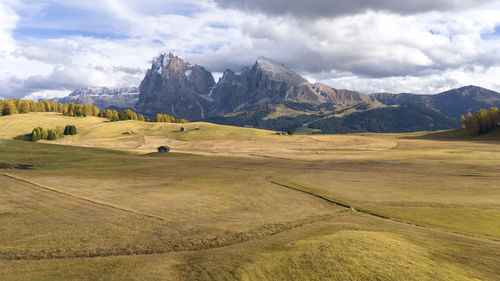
(119,208)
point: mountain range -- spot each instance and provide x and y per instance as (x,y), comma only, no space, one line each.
(271,96)
(103,97)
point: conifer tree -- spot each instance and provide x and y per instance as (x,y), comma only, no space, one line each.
(51,135)
(34,135)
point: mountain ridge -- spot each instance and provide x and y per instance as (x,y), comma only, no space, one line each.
(273,91)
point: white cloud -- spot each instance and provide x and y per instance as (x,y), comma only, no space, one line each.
(8,20)
(47,94)
(370,50)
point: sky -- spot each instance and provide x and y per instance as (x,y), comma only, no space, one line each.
(49,48)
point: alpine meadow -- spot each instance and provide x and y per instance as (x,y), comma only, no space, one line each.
(249,140)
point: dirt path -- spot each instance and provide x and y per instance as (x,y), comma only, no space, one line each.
(181,245)
(371,213)
(39,186)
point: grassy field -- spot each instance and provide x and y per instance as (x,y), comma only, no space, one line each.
(238,203)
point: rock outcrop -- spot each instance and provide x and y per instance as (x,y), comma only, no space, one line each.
(175,87)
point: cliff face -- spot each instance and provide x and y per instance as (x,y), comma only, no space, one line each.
(266,82)
(175,87)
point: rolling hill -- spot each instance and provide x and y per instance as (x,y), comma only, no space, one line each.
(232,203)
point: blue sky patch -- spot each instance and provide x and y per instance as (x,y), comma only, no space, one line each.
(492,35)
(51,33)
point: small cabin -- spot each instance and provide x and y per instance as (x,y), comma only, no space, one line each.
(183,129)
(279,133)
(163,149)
(197,128)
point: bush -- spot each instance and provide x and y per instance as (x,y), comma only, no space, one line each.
(70,130)
(52,135)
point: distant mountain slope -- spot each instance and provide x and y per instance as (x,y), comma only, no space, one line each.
(103,97)
(452,103)
(402,118)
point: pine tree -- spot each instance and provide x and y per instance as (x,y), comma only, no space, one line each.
(67,130)
(34,135)
(51,135)
(72,130)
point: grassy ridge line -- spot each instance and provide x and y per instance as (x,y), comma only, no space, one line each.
(311,192)
(344,204)
(185,245)
(81,198)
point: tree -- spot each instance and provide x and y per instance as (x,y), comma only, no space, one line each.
(52,135)
(9,108)
(70,130)
(59,131)
(159,118)
(463,121)
(23,106)
(494,116)
(140,117)
(73,130)
(95,110)
(45,134)
(34,135)
(114,116)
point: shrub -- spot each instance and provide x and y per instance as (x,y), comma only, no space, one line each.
(52,135)
(70,130)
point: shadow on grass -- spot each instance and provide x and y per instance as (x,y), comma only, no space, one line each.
(16,166)
(169,154)
(459,135)
(25,137)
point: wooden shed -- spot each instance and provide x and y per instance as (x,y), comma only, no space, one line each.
(163,148)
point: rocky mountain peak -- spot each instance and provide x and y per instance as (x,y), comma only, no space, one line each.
(175,87)
(277,71)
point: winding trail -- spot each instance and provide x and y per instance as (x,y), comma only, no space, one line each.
(371,213)
(260,232)
(237,238)
(39,186)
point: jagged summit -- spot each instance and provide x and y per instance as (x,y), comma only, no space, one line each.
(278,71)
(162,61)
(175,87)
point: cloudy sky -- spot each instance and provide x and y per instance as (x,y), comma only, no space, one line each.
(51,47)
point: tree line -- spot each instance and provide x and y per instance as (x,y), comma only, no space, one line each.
(15,106)
(168,119)
(482,121)
(40,133)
